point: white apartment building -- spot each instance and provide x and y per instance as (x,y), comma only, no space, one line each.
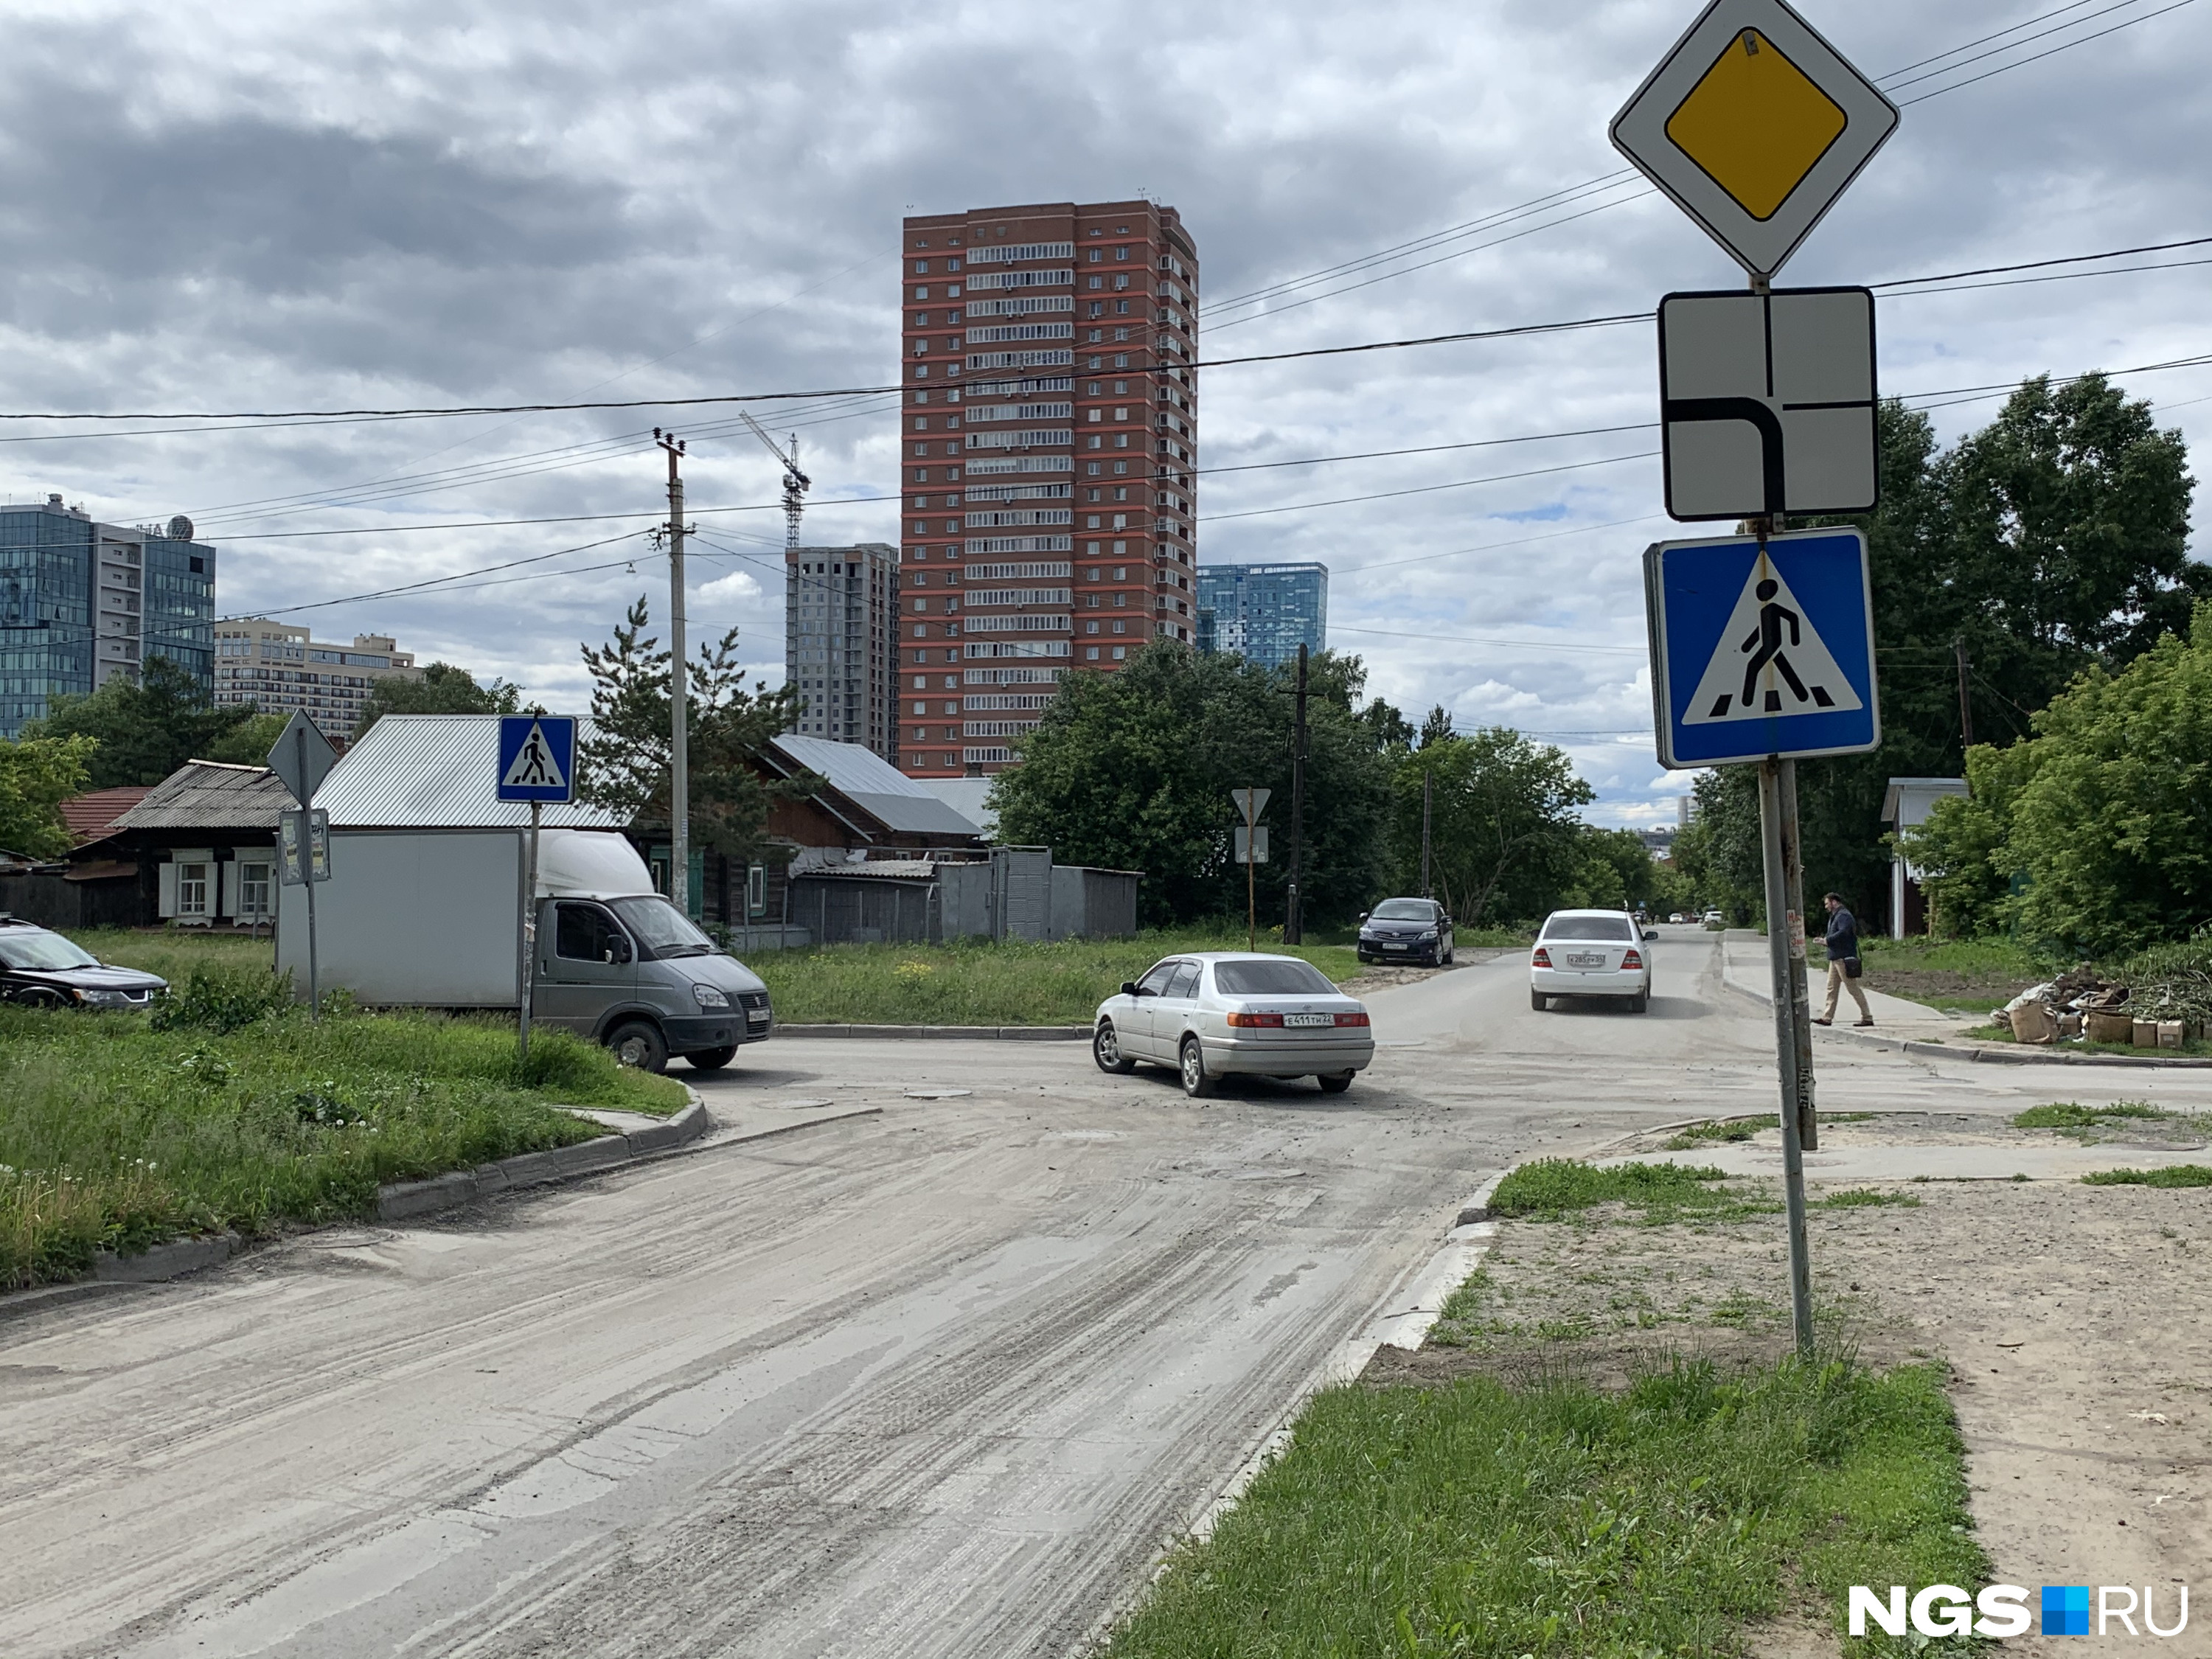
(281,669)
(840,633)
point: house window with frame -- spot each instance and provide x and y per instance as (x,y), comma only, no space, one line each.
(256,890)
(193,882)
(757,889)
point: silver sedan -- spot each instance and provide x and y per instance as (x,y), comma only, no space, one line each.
(1211,1012)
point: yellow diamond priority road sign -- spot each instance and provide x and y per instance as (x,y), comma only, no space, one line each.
(1755,125)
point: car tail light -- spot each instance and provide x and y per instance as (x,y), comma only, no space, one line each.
(1275,1020)
(1633,959)
(1351,1019)
(1542,959)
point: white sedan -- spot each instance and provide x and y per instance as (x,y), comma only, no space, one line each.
(1591,953)
(1211,1012)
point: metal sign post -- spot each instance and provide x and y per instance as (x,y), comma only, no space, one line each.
(537,764)
(301,759)
(1251,848)
(1785,957)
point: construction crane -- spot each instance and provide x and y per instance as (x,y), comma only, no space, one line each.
(795,482)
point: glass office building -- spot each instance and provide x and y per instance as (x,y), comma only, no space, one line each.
(81,603)
(1263,612)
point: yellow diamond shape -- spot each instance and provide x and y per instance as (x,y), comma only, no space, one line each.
(1756,124)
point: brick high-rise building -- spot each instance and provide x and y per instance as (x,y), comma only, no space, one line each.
(1048,438)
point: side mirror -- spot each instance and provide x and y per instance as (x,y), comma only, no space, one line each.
(1362,915)
(1129,988)
(618,951)
(1651,932)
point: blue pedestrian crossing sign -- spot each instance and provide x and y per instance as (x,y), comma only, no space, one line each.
(1762,649)
(538,757)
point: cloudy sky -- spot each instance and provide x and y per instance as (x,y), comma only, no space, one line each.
(265,208)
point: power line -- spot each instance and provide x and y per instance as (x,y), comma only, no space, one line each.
(1462,639)
(2001,67)
(1898,85)
(1430,489)
(567,518)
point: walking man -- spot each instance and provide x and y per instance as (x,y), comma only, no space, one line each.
(1842,962)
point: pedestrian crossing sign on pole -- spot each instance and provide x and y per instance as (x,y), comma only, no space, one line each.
(1762,647)
(538,757)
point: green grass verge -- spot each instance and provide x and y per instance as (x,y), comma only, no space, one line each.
(2072,1115)
(1863,1197)
(979,982)
(2177,1175)
(1482,1522)
(1554,1189)
(1723,1129)
(117,1135)
(175,953)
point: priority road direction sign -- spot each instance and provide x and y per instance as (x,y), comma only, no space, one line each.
(1767,402)
(537,758)
(1762,648)
(1755,125)
(302,757)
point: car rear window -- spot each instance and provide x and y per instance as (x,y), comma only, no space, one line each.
(1284,978)
(1604,927)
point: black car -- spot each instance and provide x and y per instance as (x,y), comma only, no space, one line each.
(1407,929)
(40,969)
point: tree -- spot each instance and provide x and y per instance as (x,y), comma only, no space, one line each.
(2102,818)
(145,729)
(625,762)
(248,742)
(1133,771)
(1719,854)
(1505,836)
(1614,871)
(1436,725)
(443,689)
(2050,540)
(36,774)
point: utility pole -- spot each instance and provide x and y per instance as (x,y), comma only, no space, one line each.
(1294,915)
(1428,796)
(1965,704)
(679,690)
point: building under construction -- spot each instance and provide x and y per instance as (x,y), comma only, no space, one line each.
(840,633)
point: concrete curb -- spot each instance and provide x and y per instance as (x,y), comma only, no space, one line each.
(1979,1054)
(404,1201)
(981,1033)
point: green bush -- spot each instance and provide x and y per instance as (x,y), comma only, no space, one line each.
(220,1000)
(1553,1186)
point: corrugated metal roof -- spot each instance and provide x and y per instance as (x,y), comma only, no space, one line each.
(907,869)
(871,782)
(209,795)
(969,796)
(436,772)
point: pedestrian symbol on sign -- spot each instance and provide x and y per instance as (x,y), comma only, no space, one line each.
(534,766)
(1770,659)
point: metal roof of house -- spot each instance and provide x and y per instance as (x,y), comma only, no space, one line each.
(436,772)
(969,796)
(91,815)
(209,795)
(873,784)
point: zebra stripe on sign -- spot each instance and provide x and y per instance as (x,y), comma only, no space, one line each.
(1770,660)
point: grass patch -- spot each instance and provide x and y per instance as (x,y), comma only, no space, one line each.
(1863,1198)
(2072,1115)
(2177,1175)
(175,953)
(1730,1129)
(116,1135)
(1491,1522)
(1551,1188)
(982,983)
(1972,975)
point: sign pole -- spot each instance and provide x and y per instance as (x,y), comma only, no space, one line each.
(1801,1000)
(1779,953)
(1251,883)
(526,1002)
(307,858)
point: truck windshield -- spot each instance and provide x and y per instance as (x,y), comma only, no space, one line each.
(660,928)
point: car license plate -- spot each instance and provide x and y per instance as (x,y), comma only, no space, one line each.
(1308,1019)
(1585,958)
(1393,947)
(757,1016)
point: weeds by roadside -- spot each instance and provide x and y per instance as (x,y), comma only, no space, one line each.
(1551,1188)
(114,1135)
(2174,1175)
(1483,1519)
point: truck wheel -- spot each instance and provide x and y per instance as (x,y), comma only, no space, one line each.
(636,1043)
(712,1059)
